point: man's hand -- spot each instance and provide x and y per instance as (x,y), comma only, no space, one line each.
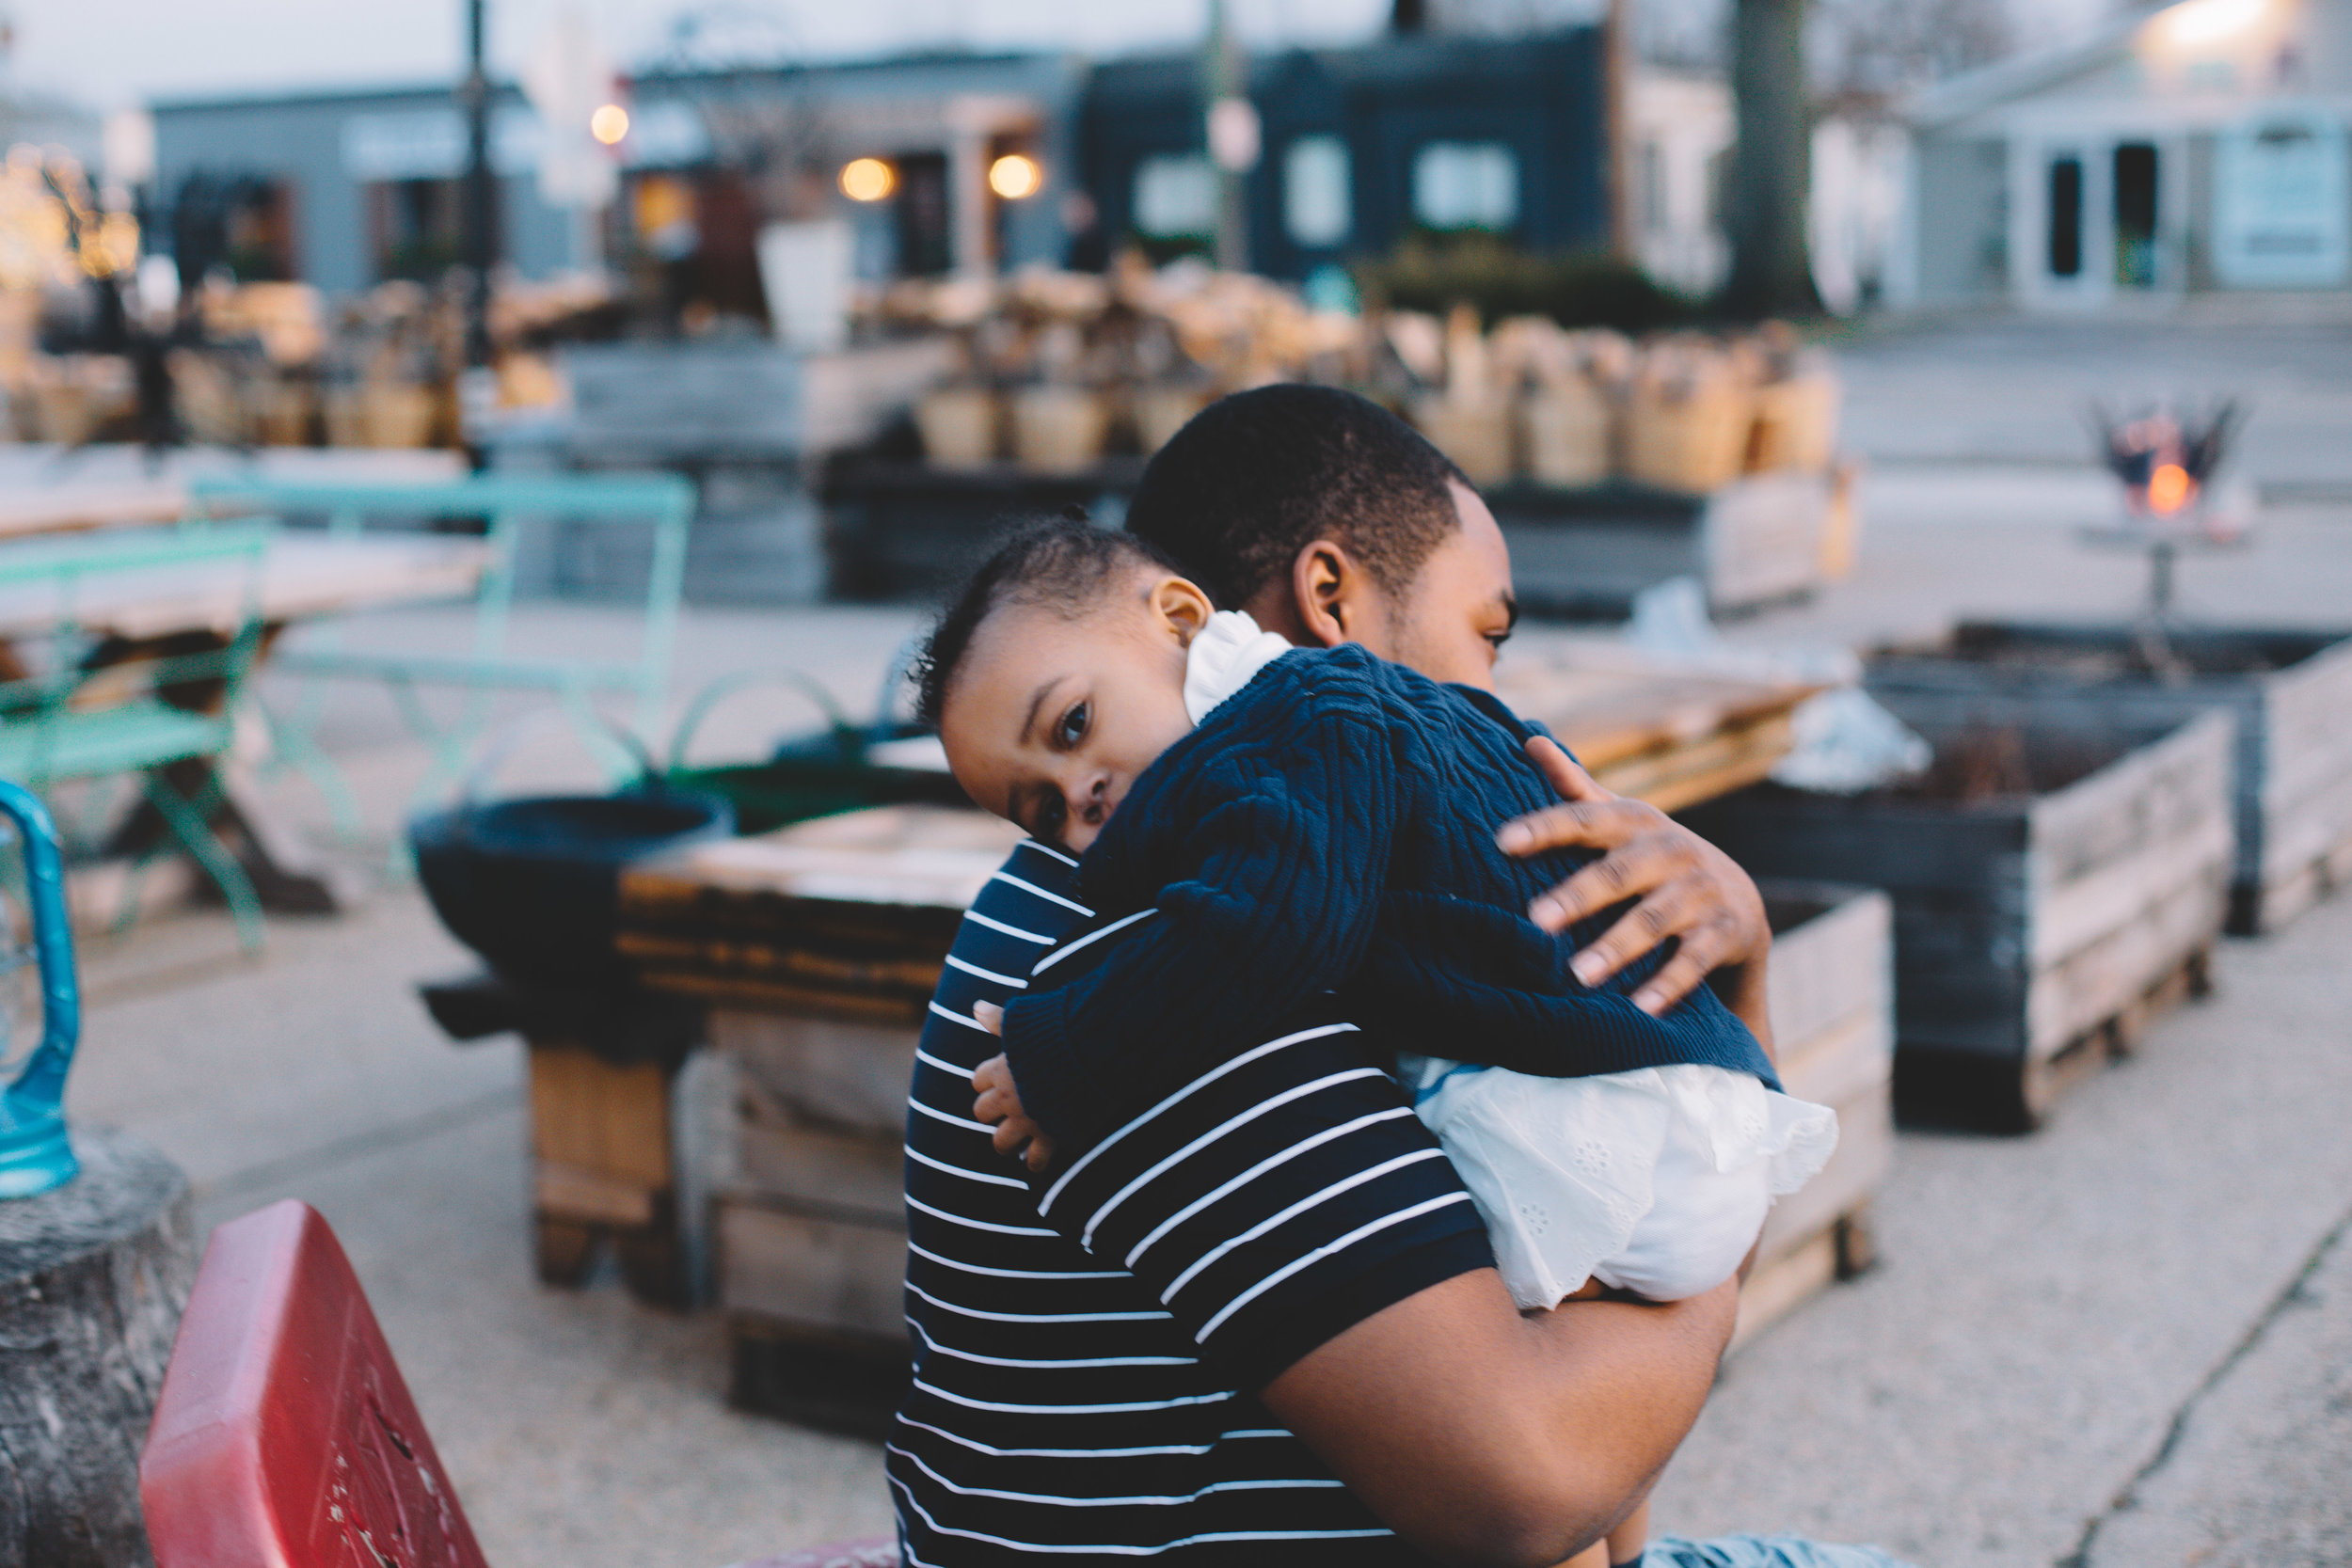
(1686,888)
(999,1104)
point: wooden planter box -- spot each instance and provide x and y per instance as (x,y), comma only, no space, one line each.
(810,1237)
(2062,872)
(1585,553)
(1832,1001)
(2291,691)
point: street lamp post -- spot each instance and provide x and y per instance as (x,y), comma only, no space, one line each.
(480,197)
(1232,136)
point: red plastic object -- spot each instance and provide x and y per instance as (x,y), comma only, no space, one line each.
(284,1436)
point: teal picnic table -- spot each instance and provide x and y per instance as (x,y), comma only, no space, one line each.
(499,508)
(124,654)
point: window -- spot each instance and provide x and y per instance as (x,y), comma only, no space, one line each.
(2136,215)
(1175,195)
(1318,209)
(419,232)
(1466,185)
(2066,217)
(1654,218)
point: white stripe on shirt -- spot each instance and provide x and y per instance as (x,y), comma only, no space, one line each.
(1304,1204)
(1270,1162)
(1009,930)
(1053,1192)
(1352,1075)
(1326,1250)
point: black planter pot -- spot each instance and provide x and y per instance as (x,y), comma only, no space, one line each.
(532,885)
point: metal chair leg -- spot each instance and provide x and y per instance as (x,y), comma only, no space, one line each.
(291,746)
(196,836)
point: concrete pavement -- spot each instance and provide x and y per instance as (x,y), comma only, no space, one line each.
(2125,1340)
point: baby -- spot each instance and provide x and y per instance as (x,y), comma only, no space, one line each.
(1266,823)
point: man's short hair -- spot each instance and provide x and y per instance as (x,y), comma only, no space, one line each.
(1257,476)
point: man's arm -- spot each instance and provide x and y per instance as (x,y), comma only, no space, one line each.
(1487,1437)
(1685,888)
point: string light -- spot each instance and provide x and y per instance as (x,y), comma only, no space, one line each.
(609,124)
(1015,176)
(868,180)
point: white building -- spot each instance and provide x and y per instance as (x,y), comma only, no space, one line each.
(2194,148)
(1682,131)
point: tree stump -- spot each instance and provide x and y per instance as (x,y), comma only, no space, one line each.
(92,1279)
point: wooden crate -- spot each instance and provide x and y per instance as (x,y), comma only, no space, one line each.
(1832,997)
(1671,736)
(810,1236)
(813,1296)
(2034,926)
(2291,691)
(1585,553)
(828,1072)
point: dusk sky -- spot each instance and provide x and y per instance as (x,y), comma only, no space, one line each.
(117,52)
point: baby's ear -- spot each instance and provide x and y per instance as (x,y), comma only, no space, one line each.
(1182,607)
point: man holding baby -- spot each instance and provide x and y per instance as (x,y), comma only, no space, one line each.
(1261,1323)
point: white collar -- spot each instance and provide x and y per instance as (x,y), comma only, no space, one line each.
(1224,657)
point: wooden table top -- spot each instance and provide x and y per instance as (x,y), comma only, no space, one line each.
(1677,731)
(909,856)
(302,576)
(48,489)
(852,915)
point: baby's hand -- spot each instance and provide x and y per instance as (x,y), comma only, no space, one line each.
(1000,1104)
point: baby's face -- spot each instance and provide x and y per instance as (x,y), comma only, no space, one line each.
(1050,721)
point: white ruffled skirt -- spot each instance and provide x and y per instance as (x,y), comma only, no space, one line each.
(1654,1181)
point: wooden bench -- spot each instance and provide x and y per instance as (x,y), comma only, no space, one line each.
(286,1435)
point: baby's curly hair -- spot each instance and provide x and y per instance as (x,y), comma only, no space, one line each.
(1064,564)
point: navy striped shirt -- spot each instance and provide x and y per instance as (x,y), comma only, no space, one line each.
(1086,1349)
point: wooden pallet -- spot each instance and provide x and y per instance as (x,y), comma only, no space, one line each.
(1672,737)
(1932,1086)
(1831,1004)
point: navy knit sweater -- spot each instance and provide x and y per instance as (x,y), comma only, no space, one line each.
(1332,826)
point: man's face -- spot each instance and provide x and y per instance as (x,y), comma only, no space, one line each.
(1451,621)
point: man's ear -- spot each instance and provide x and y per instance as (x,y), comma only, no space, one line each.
(1331,594)
(1182,607)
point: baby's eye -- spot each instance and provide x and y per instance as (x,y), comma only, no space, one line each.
(1048,819)
(1072,727)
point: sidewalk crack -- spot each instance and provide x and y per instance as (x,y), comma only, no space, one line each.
(2127,1497)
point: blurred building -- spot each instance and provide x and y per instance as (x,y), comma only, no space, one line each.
(1679,125)
(2199,147)
(939,165)
(344,190)
(1361,146)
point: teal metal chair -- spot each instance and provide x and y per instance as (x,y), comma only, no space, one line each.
(129,654)
(661,501)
